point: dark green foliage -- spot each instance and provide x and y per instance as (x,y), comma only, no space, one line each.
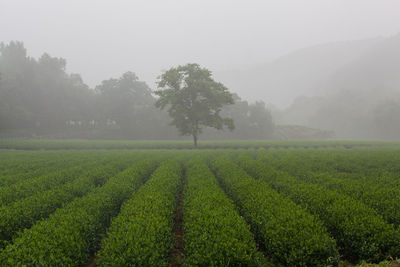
(291,236)
(42,164)
(194,99)
(70,235)
(214,232)
(141,235)
(344,185)
(38,144)
(24,213)
(384,199)
(368,177)
(359,231)
(9,194)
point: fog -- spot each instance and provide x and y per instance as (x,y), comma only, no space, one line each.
(150,35)
(302,58)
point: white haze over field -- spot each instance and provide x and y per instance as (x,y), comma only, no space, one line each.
(103,39)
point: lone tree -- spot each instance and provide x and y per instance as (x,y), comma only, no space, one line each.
(194,99)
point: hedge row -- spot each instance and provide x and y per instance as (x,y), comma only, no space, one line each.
(375,166)
(214,232)
(52,164)
(39,171)
(378,189)
(14,162)
(72,234)
(141,235)
(360,232)
(384,199)
(170,144)
(24,213)
(12,193)
(380,192)
(291,236)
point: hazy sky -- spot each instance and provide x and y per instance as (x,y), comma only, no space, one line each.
(102,39)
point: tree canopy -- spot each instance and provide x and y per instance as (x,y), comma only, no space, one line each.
(39,98)
(194,99)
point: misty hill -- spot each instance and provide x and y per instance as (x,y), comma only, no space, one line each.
(360,100)
(376,68)
(295,74)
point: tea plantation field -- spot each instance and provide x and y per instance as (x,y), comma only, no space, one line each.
(239,203)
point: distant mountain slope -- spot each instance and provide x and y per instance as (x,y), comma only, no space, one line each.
(362,98)
(376,68)
(351,88)
(295,74)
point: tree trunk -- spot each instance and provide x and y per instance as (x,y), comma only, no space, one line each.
(195,140)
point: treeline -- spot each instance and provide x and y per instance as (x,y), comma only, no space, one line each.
(38,98)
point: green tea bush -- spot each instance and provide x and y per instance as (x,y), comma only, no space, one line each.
(14,192)
(141,235)
(361,233)
(48,163)
(385,200)
(71,234)
(24,213)
(291,236)
(214,232)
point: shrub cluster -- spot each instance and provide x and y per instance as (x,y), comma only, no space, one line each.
(25,212)
(141,235)
(214,232)
(23,170)
(291,236)
(360,232)
(14,192)
(366,178)
(385,199)
(71,234)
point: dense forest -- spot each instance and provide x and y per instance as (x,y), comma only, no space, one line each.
(38,98)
